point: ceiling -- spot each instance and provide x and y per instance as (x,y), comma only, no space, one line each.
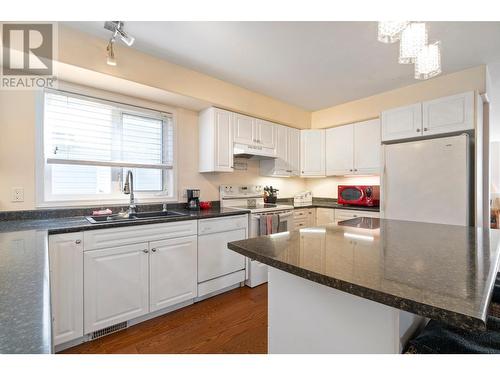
(312,65)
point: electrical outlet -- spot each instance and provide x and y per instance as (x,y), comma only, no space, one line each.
(17,194)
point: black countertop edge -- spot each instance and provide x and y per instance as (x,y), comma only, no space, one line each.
(456,319)
(88,226)
(80,223)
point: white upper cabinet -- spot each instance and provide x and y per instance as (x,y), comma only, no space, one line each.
(340,150)
(402,122)
(367,147)
(172,272)
(294,151)
(215,140)
(353,149)
(66,286)
(245,131)
(449,114)
(266,133)
(287,162)
(312,153)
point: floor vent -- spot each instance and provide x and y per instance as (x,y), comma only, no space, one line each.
(106,331)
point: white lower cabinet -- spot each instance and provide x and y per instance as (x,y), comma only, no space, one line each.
(66,286)
(172,272)
(325,215)
(304,217)
(116,285)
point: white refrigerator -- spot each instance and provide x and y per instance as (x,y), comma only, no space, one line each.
(427,181)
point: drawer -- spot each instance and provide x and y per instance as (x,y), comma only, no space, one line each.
(222,224)
(103,238)
(301,222)
(297,214)
(350,214)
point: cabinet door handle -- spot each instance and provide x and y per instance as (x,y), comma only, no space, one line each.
(425,129)
(145,251)
(418,130)
(78,242)
(355,170)
(153,249)
(350,170)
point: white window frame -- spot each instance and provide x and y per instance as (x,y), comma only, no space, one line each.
(42,175)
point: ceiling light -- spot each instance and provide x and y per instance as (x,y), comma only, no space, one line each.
(111,53)
(389,31)
(117,28)
(413,39)
(428,61)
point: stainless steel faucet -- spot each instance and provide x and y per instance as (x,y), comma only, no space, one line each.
(128,188)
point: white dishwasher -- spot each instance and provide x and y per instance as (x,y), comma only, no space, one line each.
(218,267)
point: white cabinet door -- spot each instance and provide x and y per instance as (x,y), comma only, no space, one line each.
(339,150)
(325,215)
(116,285)
(449,114)
(266,133)
(244,130)
(172,271)
(224,141)
(294,151)
(402,122)
(215,259)
(281,161)
(367,147)
(66,286)
(312,152)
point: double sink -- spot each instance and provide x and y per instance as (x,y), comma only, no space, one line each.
(134,217)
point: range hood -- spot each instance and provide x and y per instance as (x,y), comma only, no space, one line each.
(253,152)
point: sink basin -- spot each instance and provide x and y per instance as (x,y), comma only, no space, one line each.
(134,217)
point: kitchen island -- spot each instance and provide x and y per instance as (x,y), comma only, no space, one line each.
(368,285)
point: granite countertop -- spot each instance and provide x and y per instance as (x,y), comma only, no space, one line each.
(443,272)
(25,317)
(327,203)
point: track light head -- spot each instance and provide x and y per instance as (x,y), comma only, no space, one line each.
(117,28)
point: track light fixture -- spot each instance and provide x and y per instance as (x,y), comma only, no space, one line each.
(116,27)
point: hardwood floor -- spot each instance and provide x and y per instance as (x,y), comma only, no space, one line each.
(233,322)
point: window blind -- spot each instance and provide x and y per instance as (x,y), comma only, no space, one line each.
(82,131)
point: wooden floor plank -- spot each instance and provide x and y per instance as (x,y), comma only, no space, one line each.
(233,322)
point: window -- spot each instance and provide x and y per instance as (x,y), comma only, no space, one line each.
(90,144)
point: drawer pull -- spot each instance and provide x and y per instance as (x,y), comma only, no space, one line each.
(78,242)
(145,251)
(153,249)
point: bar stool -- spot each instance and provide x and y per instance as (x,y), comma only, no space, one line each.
(441,338)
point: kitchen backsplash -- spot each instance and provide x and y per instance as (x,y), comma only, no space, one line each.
(327,187)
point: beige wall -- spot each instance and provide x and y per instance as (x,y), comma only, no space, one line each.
(17,156)
(367,108)
(17,148)
(86,51)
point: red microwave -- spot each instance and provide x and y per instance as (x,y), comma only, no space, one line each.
(359,195)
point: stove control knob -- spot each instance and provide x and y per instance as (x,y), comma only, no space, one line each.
(368,192)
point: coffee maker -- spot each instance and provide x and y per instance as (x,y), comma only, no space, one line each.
(193,199)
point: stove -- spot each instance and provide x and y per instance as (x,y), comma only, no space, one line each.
(251,197)
(248,197)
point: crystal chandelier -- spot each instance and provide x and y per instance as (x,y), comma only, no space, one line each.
(388,31)
(413,39)
(413,46)
(428,61)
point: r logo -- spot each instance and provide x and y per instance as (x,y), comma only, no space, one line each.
(27,49)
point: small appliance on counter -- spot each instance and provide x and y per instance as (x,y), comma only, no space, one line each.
(303,199)
(270,194)
(193,199)
(359,195)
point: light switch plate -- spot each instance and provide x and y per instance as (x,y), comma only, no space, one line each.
(17,194)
